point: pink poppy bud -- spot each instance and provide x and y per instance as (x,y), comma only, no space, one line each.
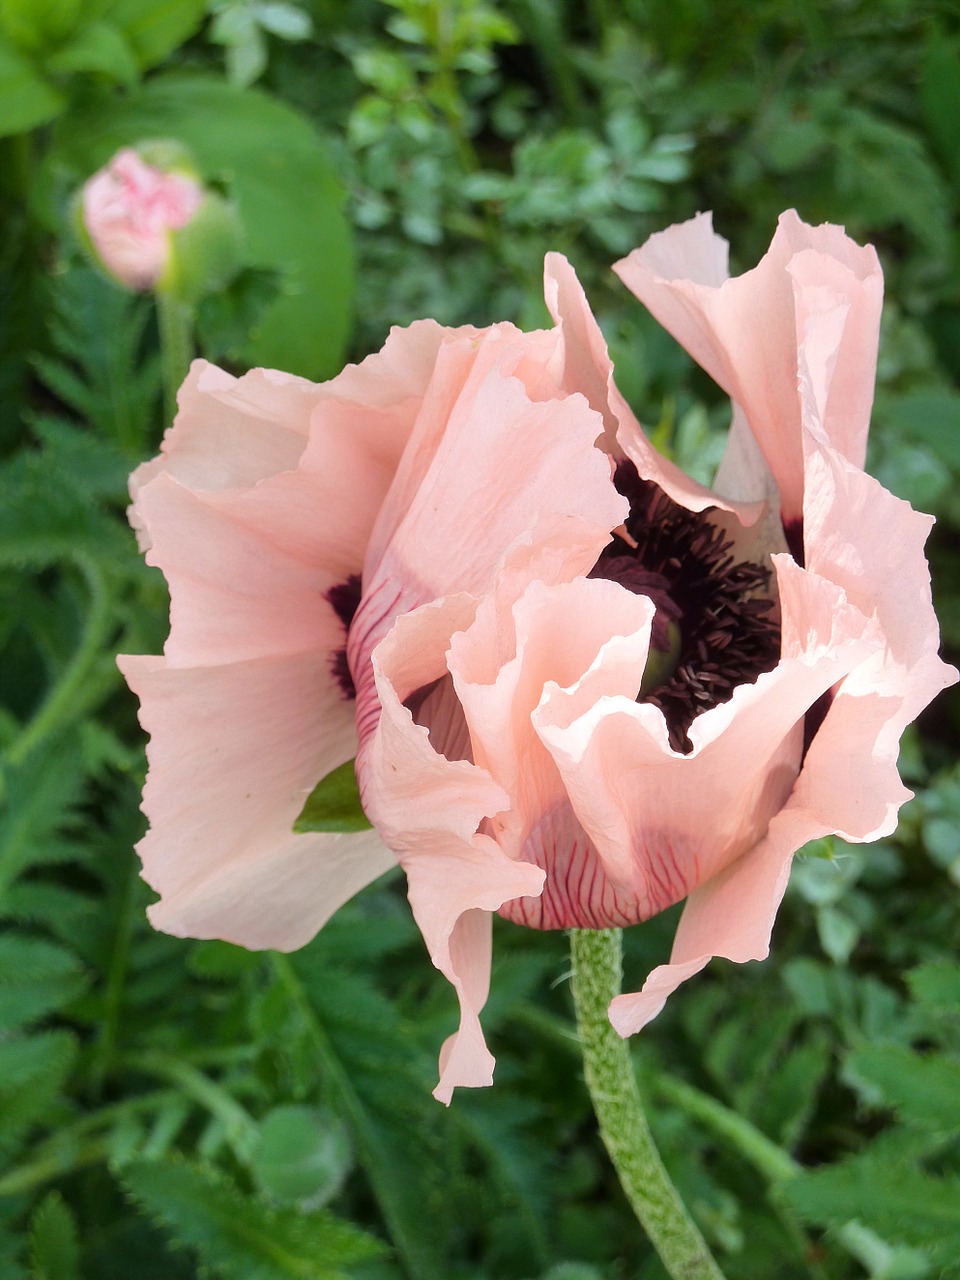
(130,211)
(579,686)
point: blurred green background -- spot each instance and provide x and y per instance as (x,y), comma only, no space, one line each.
(171,1109)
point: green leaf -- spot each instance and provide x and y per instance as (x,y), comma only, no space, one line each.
(239,1237)
(36,25)
(884,175)
(937,985)
(284,188)
(96,47)
(36,977)
(303,1154)
(154,28)
(901,1203)
(53,1238)
(11,1256)
(100,367)
(26,100)
(378,1080)
(924,1088)
(285,20)
(38,1067)
(24,1059)
(38,800)
(334,804)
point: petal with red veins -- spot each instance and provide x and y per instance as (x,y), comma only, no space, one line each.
(665,823)
(731,916)
(499,666)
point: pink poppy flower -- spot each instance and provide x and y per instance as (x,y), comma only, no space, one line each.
(130,210)
(579,686)
(619,717)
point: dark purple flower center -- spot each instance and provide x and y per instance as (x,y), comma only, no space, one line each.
(713,618)
(344,600)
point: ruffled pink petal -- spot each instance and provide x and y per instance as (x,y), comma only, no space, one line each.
(263,499)
(665,823)
(462,366)
(871,544)
(731,916)
(235,750)
(505,465)
(745,332)
(500,665)
(429,810)
(587,368)
(236,592)
(838,305)
(231,432)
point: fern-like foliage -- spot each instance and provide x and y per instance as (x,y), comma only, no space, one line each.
(237,1236)
(905,1183)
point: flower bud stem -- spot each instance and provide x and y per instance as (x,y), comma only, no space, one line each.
(175,321)
(596,956)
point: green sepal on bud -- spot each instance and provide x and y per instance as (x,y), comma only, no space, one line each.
(205,254)
(334,804)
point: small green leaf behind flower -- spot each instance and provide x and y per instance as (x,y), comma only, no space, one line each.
(334,804)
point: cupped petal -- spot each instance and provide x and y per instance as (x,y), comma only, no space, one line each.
(665,823)
(746,331)
(429,810)
(524,635)
(234,751)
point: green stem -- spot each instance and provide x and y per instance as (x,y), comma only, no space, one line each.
(239,1126)
(105,1047)
(65,1151)
(66,699)
(175,322)
(775,1164)
(596,956)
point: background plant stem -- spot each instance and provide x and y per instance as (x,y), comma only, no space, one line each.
(175,321)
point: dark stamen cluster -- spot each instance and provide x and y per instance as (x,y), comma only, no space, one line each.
(344,600)
(721,604)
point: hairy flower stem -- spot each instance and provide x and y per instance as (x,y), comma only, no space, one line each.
(175,321)
(596,956)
